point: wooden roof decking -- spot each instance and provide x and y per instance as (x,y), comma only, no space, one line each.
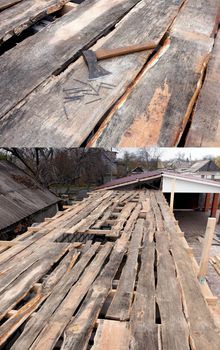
(150,95)
(19,15)
(136,292)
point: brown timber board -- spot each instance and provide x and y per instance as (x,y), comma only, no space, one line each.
(59,123)
(205,127)
(69,300)
(35,59)
(7,3)
(24,14)
(156,110)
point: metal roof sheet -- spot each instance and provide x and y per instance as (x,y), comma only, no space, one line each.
(20,195)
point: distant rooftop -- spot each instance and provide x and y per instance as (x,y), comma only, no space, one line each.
(20,195)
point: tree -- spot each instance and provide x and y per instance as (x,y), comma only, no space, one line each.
(217,161)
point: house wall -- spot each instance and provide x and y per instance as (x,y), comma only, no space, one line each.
(186,186)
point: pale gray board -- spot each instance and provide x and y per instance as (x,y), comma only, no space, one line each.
(17,18)
(205,127)
(43,111)
(8,3)
(32,61)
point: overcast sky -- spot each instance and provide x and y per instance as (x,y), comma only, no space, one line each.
(171,153)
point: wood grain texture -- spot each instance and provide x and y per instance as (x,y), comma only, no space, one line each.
(203,332)
(31,62)
(24,14)
(120,307)
(61,124)
(111,335)
(37,323)
(144,330)
(205,127)
(156,111)
(7,3)
(174,328)
(58,294)
(78,332)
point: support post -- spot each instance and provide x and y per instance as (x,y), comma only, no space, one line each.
(209,234)
(214,205)
(172,194)
(207,202)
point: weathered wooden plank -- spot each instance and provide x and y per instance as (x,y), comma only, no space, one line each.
(157,113)
(203,332)
(108,212)
(7,3)
(78,332)
(174,327)
(88,221)
(36,324)
(24,14)
(31,62)
(128,228)
(111,335)
(11,272)
(205,127)
(62,123)
(22,285)
(62,316)
(122,218)
(9,327)
(120,306)
(144,330)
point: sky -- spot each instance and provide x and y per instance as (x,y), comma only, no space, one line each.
(171,153)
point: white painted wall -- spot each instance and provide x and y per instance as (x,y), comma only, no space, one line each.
(187,186)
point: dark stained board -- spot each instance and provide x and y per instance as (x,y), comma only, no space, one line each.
(205,127)
(43,110)
(24,14)
(31,62)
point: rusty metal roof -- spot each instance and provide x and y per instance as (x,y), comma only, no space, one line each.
(20,195)
(148,175)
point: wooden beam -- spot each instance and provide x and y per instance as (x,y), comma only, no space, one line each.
(67,37)
(16,19)
(215,203)
(205,127)
(173,189)
(8,3)
(207,202)
(203,266)
(158,17)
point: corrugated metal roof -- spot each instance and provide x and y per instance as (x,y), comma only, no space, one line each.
(204,165)
(132,178)
(147,175)
(20,195)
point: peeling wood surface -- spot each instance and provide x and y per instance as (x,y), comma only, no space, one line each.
(24,14)
(31,62)
(157,109)
(7,3)
(162,95)
(141,104)
(67,295)
(59,123)
(205,127)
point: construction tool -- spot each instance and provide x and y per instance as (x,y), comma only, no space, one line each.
(91,57)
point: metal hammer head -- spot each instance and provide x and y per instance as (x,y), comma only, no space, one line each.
(95,71)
